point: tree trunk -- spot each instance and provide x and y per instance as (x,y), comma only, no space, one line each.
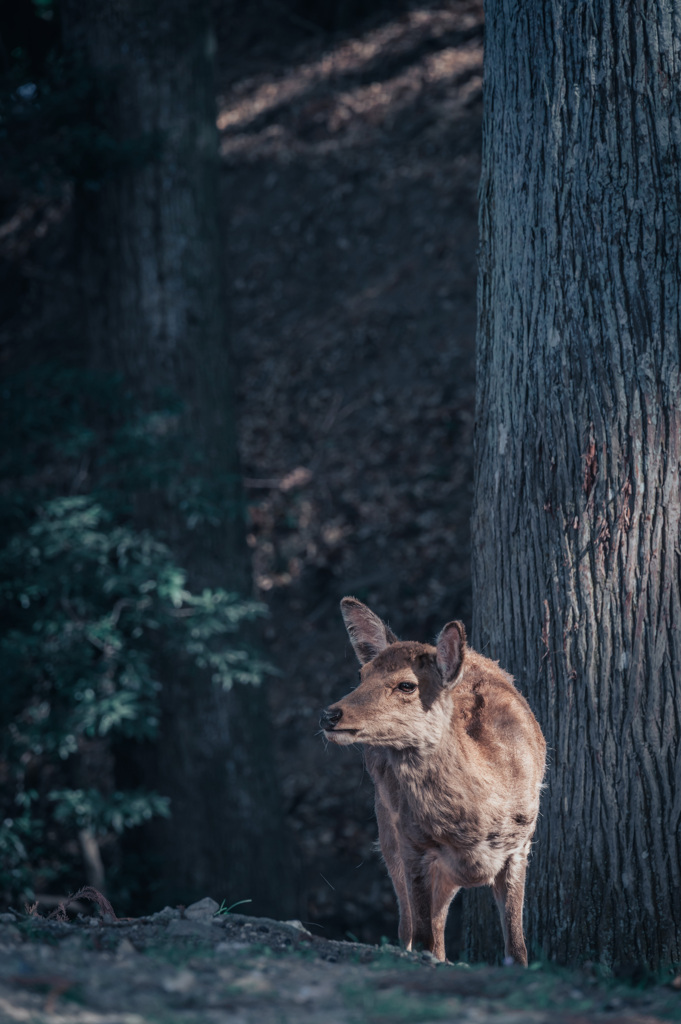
(576,539)
(153,305)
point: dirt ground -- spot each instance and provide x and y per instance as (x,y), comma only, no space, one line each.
(351,167)
(189,966)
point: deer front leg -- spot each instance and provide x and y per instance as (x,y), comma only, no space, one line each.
(432,894)
(431,891)
(424,893)
(418,882)
(390,848)
(442,892)
(509,893)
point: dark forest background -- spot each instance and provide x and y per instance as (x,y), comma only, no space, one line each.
(182,507)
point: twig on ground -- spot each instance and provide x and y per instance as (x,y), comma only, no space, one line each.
(86,893)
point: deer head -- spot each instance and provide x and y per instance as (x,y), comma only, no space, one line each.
(403,698)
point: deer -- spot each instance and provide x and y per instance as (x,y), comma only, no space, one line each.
(457,759)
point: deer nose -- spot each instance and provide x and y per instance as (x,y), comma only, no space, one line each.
(328,719)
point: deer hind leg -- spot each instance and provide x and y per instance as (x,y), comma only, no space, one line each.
(509,893)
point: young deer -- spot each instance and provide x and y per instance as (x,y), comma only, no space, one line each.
(457,759)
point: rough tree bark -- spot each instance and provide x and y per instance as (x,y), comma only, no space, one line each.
(576,539)
(153,305)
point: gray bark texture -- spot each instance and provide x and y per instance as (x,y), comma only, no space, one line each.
(154,310)
(576,539)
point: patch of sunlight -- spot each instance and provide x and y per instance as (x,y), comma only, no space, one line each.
(377,99)
(251,99)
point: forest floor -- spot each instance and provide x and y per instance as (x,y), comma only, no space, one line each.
(351,167)
(191,966)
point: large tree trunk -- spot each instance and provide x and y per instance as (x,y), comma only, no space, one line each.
(153,304)
(576,540)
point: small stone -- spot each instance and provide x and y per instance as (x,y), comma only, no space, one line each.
(180,983)
(167,914)
(298,925)
(204,908)
(125,948)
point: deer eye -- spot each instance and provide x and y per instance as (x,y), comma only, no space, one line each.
(406,687)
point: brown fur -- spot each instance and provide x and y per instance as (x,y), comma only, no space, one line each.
(457,765)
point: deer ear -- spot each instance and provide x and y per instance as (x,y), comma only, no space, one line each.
(368,634)
(451,644)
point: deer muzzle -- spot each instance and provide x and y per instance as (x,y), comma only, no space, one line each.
(330,718)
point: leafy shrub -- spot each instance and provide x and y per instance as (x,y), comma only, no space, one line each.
(87,601)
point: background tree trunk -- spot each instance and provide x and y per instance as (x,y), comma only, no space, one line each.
(576,541)
(150,240)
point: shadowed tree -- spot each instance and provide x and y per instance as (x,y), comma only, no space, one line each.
(148,230)
(576,541)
